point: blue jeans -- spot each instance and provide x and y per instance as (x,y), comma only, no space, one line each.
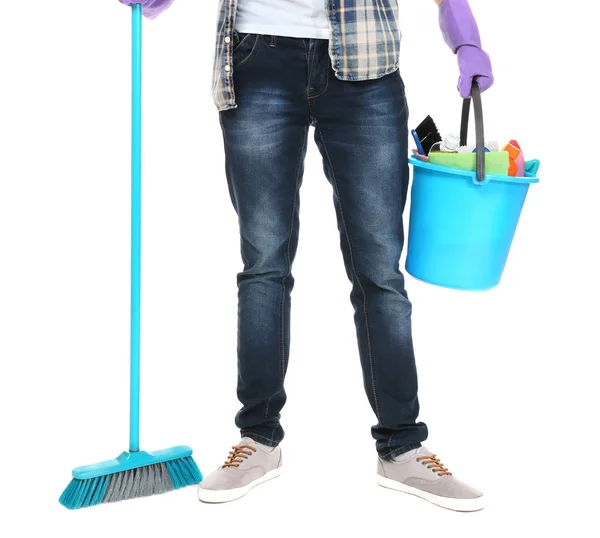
(284,86)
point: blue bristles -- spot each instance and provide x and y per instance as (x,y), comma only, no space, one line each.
(84,493)
(132,483)
(184,472)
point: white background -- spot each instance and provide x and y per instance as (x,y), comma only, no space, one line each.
(508,378)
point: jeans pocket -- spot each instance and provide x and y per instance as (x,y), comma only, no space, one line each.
(244,46)
(238,39)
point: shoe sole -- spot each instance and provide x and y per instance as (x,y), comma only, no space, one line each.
(458,505)
(228,495)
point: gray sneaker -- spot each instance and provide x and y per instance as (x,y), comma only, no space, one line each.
(420,473)
(249,464)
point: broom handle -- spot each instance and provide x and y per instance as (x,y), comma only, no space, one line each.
(136,225)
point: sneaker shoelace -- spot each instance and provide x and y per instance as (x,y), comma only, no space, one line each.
(434,463)
(236,455)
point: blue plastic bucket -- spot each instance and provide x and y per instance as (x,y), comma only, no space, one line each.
(462,223)
(460,229)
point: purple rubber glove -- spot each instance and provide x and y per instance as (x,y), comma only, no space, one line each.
(460,32)
(150,8)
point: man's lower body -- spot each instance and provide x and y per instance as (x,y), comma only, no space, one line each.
(283,86)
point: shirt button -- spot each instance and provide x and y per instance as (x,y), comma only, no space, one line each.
(228,68)
(227,40)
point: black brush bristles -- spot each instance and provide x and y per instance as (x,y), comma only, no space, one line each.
(428,134)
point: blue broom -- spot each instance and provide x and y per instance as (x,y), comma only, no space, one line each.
(134,473)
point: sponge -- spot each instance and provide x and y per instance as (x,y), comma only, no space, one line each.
(496,162)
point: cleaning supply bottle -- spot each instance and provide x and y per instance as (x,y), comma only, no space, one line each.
(492,145)
(450,144)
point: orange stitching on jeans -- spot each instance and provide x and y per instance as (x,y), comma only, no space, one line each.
(371,364)
(326,84)
(283,288)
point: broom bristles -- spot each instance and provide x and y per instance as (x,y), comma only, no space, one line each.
(132,484)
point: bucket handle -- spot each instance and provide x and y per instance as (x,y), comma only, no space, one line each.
(479,136)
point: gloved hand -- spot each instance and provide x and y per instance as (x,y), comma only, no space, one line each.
(460,32)
(150,8)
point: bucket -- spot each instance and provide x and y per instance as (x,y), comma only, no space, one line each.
(462,223)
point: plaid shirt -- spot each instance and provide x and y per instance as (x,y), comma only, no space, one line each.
(364,43)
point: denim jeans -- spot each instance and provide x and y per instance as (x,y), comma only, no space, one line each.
(284,86)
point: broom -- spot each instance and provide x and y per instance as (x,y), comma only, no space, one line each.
(134,473)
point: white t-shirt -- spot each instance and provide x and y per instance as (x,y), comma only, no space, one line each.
(287,18)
